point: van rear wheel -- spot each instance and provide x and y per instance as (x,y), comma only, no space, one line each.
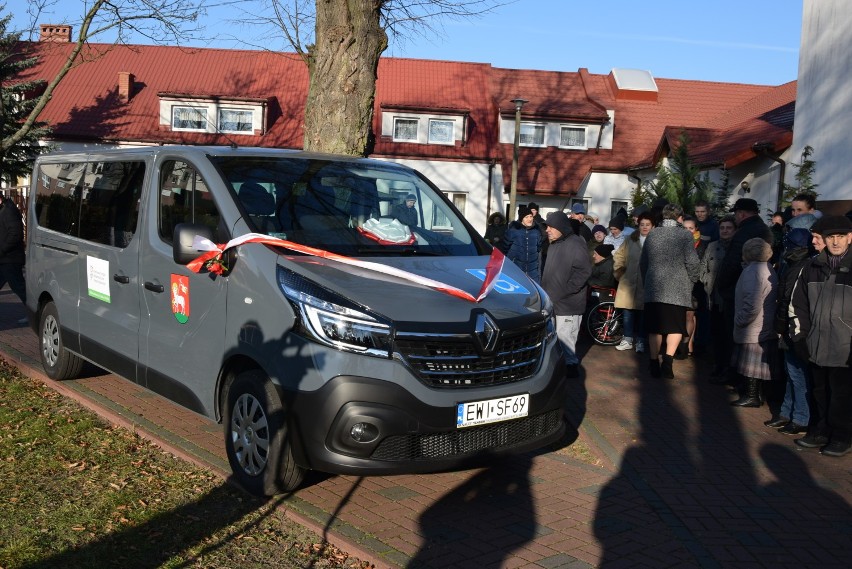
(58,362)
(256,439)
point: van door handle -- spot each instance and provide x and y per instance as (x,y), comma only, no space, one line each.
(123,279)
(154,286)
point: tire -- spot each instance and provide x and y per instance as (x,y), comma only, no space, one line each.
(58,363)
(256,439)
(605,323)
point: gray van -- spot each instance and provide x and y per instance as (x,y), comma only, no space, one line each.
(341,331)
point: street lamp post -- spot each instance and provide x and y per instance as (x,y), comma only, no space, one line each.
(513,191)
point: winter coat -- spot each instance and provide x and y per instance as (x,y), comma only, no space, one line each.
(523,245)
(631,289)
(755,296)
(566,273)
(710,264)
(792,262)
(11,233)
(495,233)
(731,265)
(822,308)
(669,265)
(602,274)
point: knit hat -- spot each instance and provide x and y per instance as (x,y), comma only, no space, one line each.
(410,197)
(523,211)
(559,221)
(533,205)
(834,225)
(797,238)
(604,250)
(617,222)
(597,228)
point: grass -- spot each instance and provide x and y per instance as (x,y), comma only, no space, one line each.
(77,492)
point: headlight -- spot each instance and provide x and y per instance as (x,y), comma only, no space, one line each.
(547,312)
(332,320)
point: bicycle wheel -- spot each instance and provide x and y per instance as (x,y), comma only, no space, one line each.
(605,324)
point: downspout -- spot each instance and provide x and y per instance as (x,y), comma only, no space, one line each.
(491,166)
(764,149)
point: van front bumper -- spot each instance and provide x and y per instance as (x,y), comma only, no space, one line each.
(412,436)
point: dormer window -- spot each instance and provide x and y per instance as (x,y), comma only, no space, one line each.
(236,121)
(572,137)
(189,118)
(405,129)
(441,131)
(532,134)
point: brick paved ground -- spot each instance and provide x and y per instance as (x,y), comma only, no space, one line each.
(686,481)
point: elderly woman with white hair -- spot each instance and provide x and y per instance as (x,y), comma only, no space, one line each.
(755,341)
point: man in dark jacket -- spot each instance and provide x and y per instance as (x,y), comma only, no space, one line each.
(749,225)
(565,275)
(822,308)
(12,248)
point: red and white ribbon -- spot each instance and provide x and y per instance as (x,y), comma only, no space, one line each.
(213,251)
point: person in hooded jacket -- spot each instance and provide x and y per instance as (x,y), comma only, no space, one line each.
(12,249)
(565,280)
(794,415)
(602,268)
(495,233)
(755,340)
(523,242)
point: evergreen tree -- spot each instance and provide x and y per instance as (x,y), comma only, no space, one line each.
(721,196)
(16,103)
(804,178)
(679,180)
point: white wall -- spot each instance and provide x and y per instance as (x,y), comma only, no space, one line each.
(823,99)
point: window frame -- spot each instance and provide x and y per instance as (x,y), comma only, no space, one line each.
(452,131)
(582,128)
(414,120)
(220,122)
(536,126)
(195,108)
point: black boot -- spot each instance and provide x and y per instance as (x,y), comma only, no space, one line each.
(751,395)
(666,367)
(654,368)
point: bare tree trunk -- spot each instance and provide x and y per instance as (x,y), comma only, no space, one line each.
(343,64)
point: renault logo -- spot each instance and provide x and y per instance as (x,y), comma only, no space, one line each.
(486,332)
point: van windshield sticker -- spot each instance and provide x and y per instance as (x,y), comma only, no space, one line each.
(503,285)
(180,298)
(97,278)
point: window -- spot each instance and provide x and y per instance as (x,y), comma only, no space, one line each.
(405,130)
(617,205)
(56,206)
(572,137)
(184,198)
(532,134)
(238,121)
(189,118)
(110,206)
(441,131)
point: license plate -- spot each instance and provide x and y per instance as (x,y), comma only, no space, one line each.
(491,411)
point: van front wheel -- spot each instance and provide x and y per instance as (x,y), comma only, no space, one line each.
(256,438)
(58,362)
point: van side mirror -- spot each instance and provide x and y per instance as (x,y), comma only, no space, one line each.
(182,250)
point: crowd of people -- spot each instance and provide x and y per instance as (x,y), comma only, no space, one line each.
(771,305)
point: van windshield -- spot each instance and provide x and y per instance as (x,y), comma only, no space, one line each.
(349,208)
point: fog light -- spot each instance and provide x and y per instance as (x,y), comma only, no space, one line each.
(364,432)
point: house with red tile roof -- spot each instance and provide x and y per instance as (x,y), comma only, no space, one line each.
(583,137)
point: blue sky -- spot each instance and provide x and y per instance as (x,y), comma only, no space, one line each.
(740,41)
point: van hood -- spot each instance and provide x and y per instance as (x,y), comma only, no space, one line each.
(402,301)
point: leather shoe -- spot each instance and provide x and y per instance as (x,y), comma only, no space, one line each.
(836,448)
(776,422)
(792,428)
(812,441)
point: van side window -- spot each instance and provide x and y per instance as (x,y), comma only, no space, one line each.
(185,198)
(110,201)
(58,189)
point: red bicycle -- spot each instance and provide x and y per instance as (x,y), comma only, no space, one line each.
(604,322)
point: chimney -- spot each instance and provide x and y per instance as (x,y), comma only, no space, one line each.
(55,33)
(125,85)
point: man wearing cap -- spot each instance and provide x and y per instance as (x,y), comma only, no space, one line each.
(820,330)
(565,275)
(406,212)
(749,225)
(578,212)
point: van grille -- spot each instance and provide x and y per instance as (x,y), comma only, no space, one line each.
(454,361)
(496,436)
